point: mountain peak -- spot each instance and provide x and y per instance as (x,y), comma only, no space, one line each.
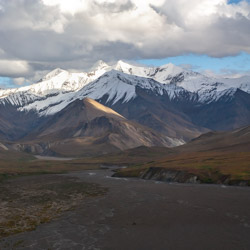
(172,69)
(123,66)
(53,73)
(99,65)
(120,62)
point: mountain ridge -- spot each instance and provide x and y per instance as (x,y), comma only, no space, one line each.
(176,102)
(86,127)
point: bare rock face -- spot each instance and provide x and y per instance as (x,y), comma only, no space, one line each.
(162,174)
(181,176)
(86,127)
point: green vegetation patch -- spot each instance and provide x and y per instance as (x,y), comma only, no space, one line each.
(28,201)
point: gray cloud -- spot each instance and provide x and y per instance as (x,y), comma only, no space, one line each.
(39,35)
(113,7)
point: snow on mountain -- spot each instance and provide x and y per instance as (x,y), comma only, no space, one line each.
(51,104)
(208,89)
(242,83)
(53,73)
(57,79)
(121,86)
(99,66)
(163,74)
(60,87)
(54,83)
(117,86)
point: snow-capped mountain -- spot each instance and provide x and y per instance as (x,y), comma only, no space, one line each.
(115,85)
(56,82)
(59,86)
(188,79)
(177,102)
(208,88)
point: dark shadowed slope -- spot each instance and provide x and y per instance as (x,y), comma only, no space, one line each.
(86,127)
(233,141)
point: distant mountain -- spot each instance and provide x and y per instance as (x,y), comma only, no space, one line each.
(228,150)
(207,88)
(60,82)
(214,157)
(86,127)
(231,141)
(178,103)
(15,124)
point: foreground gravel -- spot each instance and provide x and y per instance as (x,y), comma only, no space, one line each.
(146,215)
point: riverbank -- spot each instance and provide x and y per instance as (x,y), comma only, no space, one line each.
(181,176)
(139,214)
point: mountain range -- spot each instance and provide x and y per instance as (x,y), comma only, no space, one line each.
(134,106)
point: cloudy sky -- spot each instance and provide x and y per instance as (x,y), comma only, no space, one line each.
(37,36)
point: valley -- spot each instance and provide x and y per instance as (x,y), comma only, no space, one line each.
(124,125)
(125,152)
(139,214)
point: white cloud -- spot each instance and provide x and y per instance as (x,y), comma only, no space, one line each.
(76,33)
(14,68)
(19,80)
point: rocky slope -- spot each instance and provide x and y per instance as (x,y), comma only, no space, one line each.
(176,102)
(86,127)
(214,157)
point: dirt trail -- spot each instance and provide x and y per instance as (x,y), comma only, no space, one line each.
(146,215)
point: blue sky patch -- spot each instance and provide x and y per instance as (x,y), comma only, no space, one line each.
(6,82)
(236,1)
(229,64)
